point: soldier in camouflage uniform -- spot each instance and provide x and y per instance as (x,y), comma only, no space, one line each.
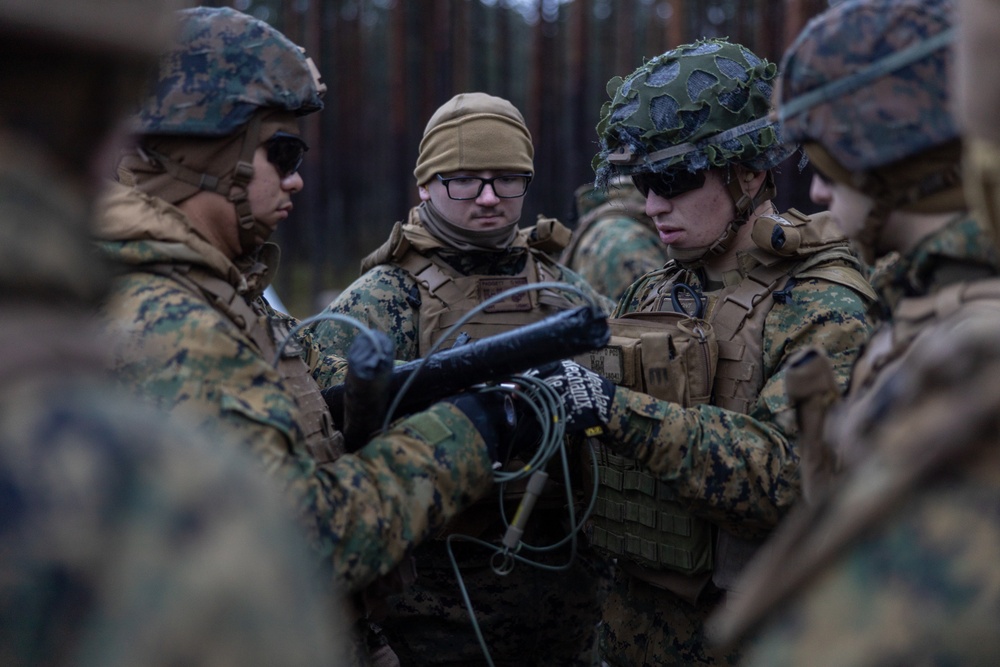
(127,540)
(458,247)
(213,172)
(894,561)
(698,462)
(614,242)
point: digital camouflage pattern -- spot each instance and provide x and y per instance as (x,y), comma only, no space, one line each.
(366,510)
(854,430)
(127,539)
(931,264)
(895,561)
(224,67)
(898,565)
(694,107)
(738,471)
(530,616)
(614,242)
(824,95)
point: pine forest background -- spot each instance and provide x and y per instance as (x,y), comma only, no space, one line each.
(388,64)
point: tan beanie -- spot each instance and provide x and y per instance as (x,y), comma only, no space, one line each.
(474,132)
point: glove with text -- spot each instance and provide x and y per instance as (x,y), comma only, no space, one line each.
(586,395)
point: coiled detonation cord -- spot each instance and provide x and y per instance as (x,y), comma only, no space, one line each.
(535,398)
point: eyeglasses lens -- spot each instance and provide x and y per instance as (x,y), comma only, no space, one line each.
(508,186)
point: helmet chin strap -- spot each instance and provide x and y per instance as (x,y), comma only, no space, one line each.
(248,225)
(867,237)
(745,205)
(234,189)
(889,195)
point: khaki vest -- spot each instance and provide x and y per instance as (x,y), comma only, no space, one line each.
(323,442)
(889,348)
(636,519)
(447,295)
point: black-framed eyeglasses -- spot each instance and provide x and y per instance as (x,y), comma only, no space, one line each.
(506,186)
(668,184)
(286,152)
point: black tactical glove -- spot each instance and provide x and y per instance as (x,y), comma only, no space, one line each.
(493,415)
(585,394)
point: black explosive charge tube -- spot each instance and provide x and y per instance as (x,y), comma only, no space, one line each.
(448,372)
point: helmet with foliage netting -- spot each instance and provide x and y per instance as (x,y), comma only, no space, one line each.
(225,65)
(869,81)
(695,107)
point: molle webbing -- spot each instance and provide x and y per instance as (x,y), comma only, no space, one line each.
(673,357)
(635,509)
(322,441)
(448,295)
(637,517)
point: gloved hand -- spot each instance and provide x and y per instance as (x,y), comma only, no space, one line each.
(493,415)
(585,394)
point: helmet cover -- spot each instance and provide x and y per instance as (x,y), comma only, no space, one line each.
(695,107)
(868,80)
(224,66)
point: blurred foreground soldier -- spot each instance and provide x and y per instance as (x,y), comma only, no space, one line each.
(895,560)
(126,540)
(699,462)
(460,246)
(977,88)
(614,242)
(215,167)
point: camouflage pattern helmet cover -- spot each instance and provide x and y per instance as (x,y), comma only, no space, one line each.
(94,25)
(868,80)
(695,107)
(223,67)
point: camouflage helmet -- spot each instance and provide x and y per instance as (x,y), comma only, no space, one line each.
(224,66)
(96,25)
(695,107)
(868,81)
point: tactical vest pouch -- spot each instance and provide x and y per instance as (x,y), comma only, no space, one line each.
(548,235)
(667,355)
(795,233)
(673,357)
(636,518)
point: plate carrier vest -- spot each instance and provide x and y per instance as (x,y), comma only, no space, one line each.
(690,360)
(448,295)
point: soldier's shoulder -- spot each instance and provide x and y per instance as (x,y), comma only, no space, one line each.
(153,296)
(382,284)
(112,498)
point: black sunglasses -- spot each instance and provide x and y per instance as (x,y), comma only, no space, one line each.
(285,151)
(668,184)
